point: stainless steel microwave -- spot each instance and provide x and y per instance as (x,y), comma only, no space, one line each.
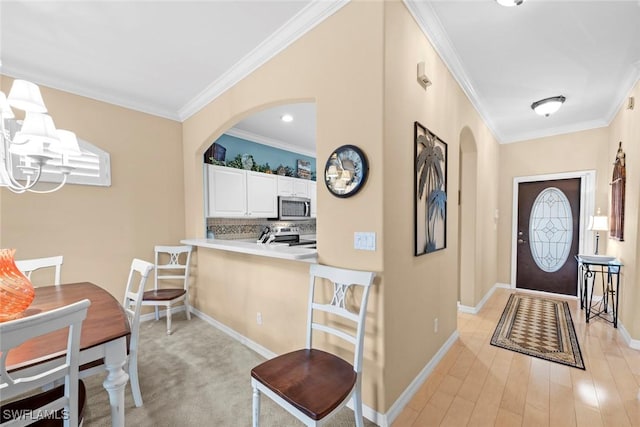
(291,208)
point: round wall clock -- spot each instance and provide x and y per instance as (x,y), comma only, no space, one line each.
(346,171)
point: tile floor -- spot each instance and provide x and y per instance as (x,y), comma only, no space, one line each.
(477,384)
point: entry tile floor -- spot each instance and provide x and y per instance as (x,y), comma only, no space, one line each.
(477,384)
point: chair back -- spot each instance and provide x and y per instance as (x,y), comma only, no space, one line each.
(132,303)
(16,332)
(343,280)
(28,266)
(177,266)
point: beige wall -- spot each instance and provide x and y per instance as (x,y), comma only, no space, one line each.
(579,151)
(99,230)
(419,289)
(339,66)
(625,128)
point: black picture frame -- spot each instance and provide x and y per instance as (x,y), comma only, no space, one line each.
(430,191)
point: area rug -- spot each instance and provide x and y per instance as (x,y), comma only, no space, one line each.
(539,327)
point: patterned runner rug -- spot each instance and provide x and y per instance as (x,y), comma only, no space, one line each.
(539,327)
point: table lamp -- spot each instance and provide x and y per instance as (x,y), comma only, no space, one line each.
(598,223)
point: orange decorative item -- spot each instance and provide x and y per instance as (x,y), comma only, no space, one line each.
(16,291)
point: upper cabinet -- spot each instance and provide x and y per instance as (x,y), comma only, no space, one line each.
(227,191)
(288,186)
(261,195)
(240,193)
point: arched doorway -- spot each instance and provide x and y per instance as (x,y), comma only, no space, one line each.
(467,204)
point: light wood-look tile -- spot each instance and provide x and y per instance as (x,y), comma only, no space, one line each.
(477,384)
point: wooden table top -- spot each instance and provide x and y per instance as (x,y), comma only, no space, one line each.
(106,321)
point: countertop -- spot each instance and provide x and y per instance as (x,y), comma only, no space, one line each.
(281,251)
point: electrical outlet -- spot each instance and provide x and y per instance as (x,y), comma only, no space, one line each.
(435,325)
(259,318)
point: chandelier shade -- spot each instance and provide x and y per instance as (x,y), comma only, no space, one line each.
(30,144)
(26,96)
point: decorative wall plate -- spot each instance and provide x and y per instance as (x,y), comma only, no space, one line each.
(346,171)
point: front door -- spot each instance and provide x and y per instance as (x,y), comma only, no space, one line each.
(548,234)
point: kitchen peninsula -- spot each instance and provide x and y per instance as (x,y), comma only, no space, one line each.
(250,247)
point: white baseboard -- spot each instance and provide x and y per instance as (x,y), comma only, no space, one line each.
(417,382)
(262,351)
(634,344)
(477,308)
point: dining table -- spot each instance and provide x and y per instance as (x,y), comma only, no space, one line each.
(105,335)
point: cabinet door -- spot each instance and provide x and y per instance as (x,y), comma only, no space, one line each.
(227,191)
(300,187)
(285,186)
(312,195)
(262,195)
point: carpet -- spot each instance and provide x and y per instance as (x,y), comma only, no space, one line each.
(197,376)
(539,327)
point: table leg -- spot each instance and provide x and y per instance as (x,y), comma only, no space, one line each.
(116,381)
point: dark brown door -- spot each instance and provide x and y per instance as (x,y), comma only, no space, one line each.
(548,233)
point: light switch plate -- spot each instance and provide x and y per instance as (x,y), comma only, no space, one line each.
(365,241)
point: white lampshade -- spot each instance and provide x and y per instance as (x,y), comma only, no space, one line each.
(346,175)
(5,109)
(67,144)
(37,126)
(26,96)
(546,107)
(598,223)
(32,147)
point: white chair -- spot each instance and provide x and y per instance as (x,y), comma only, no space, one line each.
(312,384)
(28,266)
(67,398)
(132,306)
(176,269)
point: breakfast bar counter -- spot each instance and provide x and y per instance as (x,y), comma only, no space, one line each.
(281,251)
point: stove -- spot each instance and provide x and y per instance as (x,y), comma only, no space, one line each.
(291,236)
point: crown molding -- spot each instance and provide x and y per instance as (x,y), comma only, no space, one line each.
(305,20)
(623,92)
(43,79)
(428,22)
(250,136)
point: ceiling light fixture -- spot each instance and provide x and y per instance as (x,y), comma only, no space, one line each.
(510,3)
(27,145)
(286,118)
(546,107)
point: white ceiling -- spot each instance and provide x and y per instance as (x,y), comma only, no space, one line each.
(170,58)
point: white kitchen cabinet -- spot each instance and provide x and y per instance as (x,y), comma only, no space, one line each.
(227,188)
(241,193)
(296,187)
(262,189)
(312,186)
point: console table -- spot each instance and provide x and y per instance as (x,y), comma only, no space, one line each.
(589,268)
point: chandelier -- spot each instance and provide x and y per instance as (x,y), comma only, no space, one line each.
(30,144)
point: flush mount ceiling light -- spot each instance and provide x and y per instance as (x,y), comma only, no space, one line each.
(510,3)
(546,107)
(286,118)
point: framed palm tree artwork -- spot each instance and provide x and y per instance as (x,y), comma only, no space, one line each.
(430,191)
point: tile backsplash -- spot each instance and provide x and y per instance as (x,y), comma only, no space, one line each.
(249,228)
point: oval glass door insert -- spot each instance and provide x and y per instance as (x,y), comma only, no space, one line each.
(550,229)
